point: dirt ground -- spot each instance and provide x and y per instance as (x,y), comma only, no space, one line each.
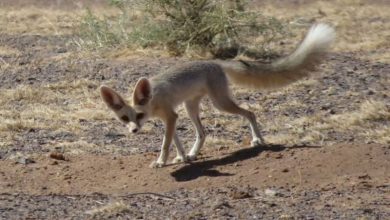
(329,136)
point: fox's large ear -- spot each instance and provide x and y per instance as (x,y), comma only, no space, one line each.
(142,92)
(111,98)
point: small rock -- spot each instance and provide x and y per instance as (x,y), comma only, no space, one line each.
(285,170)
(286,217)
(61,50)
(240,194)
(221,204)
(270,192)
(82,120)
(236,164)
(365,184)
(370,92)
(57,156)
(67,177)
(114,135)
(25,160)
(364,176)
(368,211)
(278,156)
(272,205)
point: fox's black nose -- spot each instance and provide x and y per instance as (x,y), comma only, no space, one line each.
(134,130)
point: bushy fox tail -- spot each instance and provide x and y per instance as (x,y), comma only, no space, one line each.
(283,71)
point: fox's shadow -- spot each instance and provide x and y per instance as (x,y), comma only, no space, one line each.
(196,169)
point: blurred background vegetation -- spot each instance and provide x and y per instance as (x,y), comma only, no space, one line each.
(221,29)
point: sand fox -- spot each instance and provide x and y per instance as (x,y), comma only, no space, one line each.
(188,83)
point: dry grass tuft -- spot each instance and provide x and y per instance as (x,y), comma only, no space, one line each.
(21,93)
(31,20)
(360,25)
(218,142)
(75,148)
(56,107)
(16,124)
(371,121)
(110,209)
(8,51)
(370,110)
(378,135)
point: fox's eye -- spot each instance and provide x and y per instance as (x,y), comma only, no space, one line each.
(125,118)
(139,116)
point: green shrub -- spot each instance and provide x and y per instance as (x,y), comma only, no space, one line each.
(223,28)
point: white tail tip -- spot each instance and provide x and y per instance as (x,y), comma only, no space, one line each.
(320,37)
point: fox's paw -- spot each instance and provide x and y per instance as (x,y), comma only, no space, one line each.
(191,157)
(156,164)
(257,142)
(179,159)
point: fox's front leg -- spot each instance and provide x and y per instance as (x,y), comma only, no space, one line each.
(192,108)
(180,153)
(170,124)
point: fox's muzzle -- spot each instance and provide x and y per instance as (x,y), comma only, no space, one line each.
(133,127)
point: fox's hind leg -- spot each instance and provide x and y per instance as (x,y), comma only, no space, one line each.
(192,108)
(222,100)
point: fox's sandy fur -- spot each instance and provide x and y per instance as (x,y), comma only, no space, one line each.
(188,83)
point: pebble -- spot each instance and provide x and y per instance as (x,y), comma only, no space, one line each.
(57,156)
(270,192)
(25,160)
